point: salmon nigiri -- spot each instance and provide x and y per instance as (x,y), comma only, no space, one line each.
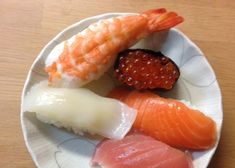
(139,151)
(169,120)
(87,55)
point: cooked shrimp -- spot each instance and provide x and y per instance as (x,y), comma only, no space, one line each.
(91,53)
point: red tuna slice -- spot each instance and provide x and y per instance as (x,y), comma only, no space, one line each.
(139,151)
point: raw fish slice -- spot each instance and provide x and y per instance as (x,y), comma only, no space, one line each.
(139,151)
(168,120)
(79,110)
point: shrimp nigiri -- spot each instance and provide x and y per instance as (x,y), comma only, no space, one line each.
(90,53)
(169,120)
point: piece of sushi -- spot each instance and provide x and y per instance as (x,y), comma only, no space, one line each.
(169,120)
(146,69)
(79,110)
(139,151)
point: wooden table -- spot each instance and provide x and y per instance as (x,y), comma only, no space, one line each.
(26,26)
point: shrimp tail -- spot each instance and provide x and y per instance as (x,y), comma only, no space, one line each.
(160,19)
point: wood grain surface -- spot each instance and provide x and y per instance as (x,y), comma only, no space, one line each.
(27,25)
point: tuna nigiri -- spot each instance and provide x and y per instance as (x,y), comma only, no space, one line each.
(169,120)
(90,53)
(139,151)
(79,110)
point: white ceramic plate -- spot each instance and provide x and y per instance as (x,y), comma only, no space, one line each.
(56,148)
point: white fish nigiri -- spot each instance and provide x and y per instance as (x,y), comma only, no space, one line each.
(79,110)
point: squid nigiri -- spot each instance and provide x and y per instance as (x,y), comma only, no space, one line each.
(79,110)
(168,120)
(90,53)
(139,151)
